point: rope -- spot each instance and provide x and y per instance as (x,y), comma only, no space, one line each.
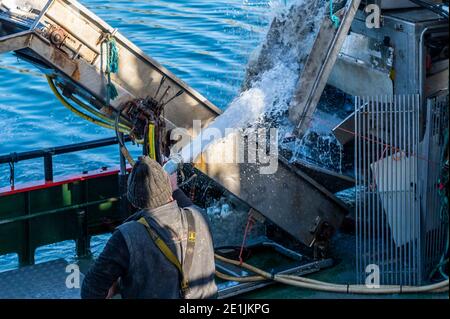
(113,60)
(112,66)
(335,19)
(248,228)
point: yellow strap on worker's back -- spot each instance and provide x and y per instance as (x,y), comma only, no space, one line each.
(167,252)
(151,141)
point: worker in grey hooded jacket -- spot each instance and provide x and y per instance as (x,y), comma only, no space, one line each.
(163,251)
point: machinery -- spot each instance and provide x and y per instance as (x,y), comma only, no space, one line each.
(401,68)
(398,73)
(133,92)
(399,135)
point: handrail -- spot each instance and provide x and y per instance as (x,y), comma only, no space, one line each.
(48,154)
(59,150)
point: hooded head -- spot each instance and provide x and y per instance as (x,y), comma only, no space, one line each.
(148,185)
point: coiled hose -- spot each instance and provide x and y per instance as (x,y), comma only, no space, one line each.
(307,283)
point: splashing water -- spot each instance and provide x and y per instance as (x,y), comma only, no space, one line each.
(22,6)
(272,73)
(276,67)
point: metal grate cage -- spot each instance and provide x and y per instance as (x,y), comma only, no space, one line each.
(432,180)
(401,227)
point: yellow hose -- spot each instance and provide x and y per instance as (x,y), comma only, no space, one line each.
(151,141)
(97,113)
(77,112)
(239,279)
(302,282)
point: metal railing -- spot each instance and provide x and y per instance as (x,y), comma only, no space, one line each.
(81,208)
(48,153)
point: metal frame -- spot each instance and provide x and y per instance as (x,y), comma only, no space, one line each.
(400,227)
(432,148)
(57,209)
(387,205)
(289,197)
(404,29)
(319,66)
(48,153)
(77,62)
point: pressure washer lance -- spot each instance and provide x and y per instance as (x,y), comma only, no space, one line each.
(172,165)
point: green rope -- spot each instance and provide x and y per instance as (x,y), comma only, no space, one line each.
(113,52)
(335,19)
(112,67)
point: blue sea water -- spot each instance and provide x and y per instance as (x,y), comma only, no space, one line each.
(205,43)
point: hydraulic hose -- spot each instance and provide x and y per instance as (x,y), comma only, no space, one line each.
(97,113)
(301,282)
(239,279)
(77,112)
(151,141)
(123,148)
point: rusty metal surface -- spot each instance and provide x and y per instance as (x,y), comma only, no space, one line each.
(15,42)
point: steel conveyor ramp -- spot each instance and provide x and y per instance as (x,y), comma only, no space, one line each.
(66,41)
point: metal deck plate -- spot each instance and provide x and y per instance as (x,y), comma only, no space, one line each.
(41,281)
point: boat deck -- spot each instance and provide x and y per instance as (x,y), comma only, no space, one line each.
(343,250)
(48,280)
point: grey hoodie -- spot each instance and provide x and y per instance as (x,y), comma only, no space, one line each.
(150,274)
(144,271)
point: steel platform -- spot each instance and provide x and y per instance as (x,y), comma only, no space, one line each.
(40,281)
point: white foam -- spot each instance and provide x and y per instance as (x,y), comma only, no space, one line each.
(269,92)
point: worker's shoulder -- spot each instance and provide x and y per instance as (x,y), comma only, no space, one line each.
(199,214)
(129,225)
(195,210)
